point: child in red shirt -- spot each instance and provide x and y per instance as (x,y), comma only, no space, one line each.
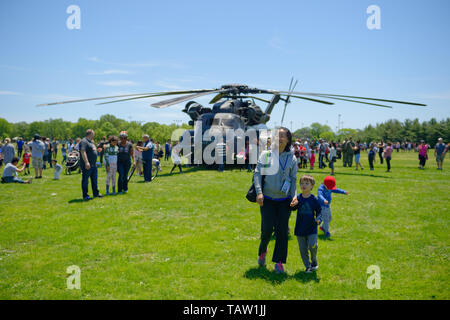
(26,160)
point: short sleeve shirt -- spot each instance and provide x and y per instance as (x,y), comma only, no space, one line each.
(9,170)
(148,155)
(125,152)
(91,151)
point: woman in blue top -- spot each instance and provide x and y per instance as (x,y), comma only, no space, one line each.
(275,196)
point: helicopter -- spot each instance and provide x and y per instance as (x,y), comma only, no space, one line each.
(234,107)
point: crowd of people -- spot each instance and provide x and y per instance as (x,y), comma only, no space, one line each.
(323,152)
(116,154)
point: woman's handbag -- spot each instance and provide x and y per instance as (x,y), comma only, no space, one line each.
(251,194)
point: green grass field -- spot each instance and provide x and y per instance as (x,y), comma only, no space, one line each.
(195,236)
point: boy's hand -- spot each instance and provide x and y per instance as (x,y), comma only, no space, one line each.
(294,202)
(325,201)
(318,222)
(107,169)
(346,192)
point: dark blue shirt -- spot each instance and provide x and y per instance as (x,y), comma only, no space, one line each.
(308,211)
(20,144)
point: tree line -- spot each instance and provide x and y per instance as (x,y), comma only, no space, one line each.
(391,130)
(105,126)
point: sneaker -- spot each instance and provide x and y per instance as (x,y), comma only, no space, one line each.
(99,196)
(30,180)
(107,193)
(328,235)
(314,267)
(308,270)
(279,268)
(262,259)
(87,198)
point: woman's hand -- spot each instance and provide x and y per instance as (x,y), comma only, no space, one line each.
(260,199)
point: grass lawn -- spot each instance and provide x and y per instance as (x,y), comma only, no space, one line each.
(195,236)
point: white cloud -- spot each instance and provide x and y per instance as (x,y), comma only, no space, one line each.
(111,71)
(118,83)
(9,93)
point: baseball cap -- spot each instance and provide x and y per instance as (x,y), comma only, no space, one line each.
(37,136)
(123,134)
(330,182)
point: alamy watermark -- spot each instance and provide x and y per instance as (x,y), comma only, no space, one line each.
(374,280)
(74,278)
(74,20)
(374,20)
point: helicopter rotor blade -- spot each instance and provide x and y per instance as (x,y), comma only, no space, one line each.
(355,97)
(309,99)
(125,95)
(287,101)
(349,100)
(217,97)
(169,102)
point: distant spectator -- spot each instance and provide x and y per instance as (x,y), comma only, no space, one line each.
(439,153)
(20,144)
(372,155)
(37,155)
(147,157)
(124,163)
(8,151)
(176,150)
(88,164)
(388,155)
(64,153)
(167,150)
(55,148)
(26,160)
(101,145)
(423,156)
(10,172)
(58,169)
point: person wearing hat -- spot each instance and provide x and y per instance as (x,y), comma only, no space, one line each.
(324,195)
(123,162)
(37,155)
(439,153)
(147,157)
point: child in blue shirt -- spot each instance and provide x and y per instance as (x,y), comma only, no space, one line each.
(324,196)
(308,218)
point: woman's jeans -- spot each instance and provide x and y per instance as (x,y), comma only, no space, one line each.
(123,168)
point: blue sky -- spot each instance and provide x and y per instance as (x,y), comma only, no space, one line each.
(144,46)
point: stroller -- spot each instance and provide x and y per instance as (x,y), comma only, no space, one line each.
(72,162)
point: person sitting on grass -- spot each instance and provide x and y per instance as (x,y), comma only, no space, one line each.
(58,169)
(308,218)
(10,172)
(324,195)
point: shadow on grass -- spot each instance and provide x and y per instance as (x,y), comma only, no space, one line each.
(76,201)
(326,172)
(322,237)
(275,278)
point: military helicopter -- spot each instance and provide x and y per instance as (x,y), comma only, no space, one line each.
(234,105)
